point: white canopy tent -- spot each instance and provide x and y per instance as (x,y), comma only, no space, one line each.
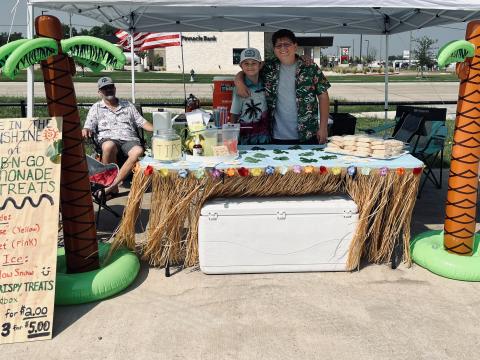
(328,16)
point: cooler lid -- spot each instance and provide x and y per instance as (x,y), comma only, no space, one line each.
(223,78)
(293,205)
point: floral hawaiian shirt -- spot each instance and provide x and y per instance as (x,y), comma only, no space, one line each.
(310,82)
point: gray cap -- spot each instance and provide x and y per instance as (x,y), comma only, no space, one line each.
(104,81)
(250,53)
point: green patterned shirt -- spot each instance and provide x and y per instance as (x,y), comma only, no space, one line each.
(310,82)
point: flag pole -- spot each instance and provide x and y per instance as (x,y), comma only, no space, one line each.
(183,75)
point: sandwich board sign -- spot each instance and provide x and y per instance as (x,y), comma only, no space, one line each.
(29,205)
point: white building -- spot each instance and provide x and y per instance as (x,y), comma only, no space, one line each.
(212,53)
(219,52)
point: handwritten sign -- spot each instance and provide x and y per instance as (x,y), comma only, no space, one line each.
(29,203)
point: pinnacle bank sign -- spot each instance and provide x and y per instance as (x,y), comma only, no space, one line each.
(200,38)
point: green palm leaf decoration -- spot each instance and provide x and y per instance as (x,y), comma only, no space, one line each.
(92,65)
(93,52)
(455,51)
(7,49)
(29,53)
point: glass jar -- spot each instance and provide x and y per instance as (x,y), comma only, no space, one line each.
(167,146)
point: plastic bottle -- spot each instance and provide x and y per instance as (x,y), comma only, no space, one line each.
(197,148)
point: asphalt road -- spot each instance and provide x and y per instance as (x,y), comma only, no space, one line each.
(414,91)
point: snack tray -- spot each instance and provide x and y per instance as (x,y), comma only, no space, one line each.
(369,156)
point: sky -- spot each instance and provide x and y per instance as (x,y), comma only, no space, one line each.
(397,42)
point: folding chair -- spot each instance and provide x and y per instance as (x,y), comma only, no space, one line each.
(101,176)
(431,151)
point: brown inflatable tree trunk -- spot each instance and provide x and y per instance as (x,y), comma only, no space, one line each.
(460,210)
(80,238)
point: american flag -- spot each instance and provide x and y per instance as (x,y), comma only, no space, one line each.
(145,41)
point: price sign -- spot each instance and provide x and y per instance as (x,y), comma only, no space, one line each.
(29,203)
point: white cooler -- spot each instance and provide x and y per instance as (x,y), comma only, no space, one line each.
(280,234)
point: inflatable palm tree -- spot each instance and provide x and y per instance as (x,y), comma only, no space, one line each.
(55,56)
(460,211)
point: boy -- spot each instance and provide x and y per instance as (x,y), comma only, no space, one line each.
(251,112)
(295,90)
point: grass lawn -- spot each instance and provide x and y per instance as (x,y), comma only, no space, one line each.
(162,77)
(362,122)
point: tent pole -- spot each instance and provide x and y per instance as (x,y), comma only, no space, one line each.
(386,75)
(132,53)
(183,75)
(30,76)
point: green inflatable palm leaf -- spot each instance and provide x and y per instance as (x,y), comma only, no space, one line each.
(7,49)
(455,51)
(94,51)
(29,53)
(92,65)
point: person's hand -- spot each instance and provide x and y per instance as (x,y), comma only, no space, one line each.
(240,87)
(86,133)
(322,135)
(307,60)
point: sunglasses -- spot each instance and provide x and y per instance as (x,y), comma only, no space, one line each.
(286,45)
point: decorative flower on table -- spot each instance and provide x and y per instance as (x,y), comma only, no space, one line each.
(336,171)
(365,171)
(199,173)
(269,170)
(256,172)
(351,170)
(308,169)
(400,171)
(417,171)
(216,174)
(230,172)
(243,171)
(383,171)
(283,170)
(148,170)
(297,169)
(183,173)
(163,172)
(323,169)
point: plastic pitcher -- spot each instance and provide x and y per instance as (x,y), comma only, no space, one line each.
(210,137)
(230,134)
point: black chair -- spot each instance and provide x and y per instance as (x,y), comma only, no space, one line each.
(343,124)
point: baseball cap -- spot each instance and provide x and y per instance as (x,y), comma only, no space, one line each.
(104,81)
(250,53)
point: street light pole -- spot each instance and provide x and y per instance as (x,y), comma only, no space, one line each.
(368,45)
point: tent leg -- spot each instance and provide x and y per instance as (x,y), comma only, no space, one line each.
(30,76)
(132,52)
(386,76)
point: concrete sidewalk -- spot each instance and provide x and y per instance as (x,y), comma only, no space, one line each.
(375,313)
